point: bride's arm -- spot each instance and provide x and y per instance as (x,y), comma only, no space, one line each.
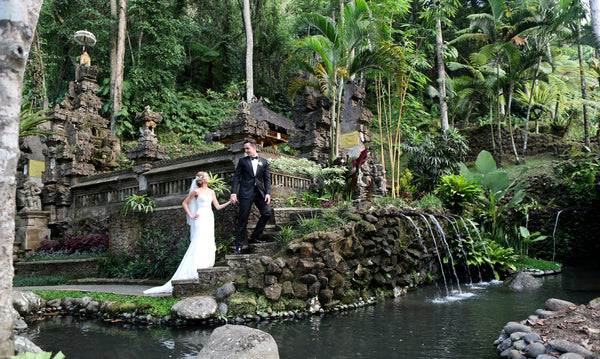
(216,202)
(185,202)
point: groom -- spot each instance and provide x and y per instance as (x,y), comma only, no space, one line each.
(252,177)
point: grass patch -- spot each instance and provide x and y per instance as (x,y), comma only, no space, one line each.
(160,305)
(540,264)
(30,282)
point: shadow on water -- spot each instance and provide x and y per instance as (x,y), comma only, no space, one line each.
(419,325)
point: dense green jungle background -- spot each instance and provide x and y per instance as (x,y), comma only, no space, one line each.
(444,80)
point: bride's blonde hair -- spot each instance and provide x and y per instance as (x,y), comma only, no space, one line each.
(200,178)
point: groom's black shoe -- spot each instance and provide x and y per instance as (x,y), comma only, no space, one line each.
(238,250)
(255,241)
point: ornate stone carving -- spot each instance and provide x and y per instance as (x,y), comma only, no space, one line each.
(147,149)
(28,197)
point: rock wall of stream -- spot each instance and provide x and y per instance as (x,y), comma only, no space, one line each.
(377,252)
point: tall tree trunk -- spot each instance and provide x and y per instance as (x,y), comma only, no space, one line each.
(117,86)
(249,53)
(40,99)
(509,121)
(441,76)
(499,148)
(18,20)
(114,20)
(595,10)
(529,104)
(586,121)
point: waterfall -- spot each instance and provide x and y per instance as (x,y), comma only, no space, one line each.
(420,240)
(466,262)
(482,243)
(472,247)
(443,236)
(437,252)
(554,235)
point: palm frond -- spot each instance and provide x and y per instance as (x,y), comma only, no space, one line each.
(30,120)
(323,24)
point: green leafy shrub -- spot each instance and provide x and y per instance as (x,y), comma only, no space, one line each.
(501,193)
(428,203)
(218,184)
(285,236)
(431,157)
(457,193)
(138,203)
(579,176)
(38,281)
(154,255)
(294,166)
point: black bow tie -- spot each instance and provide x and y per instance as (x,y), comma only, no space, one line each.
(253,157)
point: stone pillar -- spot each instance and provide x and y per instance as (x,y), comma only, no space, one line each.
(31,228)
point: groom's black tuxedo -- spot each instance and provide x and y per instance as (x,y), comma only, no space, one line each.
(251,188)
(248,182)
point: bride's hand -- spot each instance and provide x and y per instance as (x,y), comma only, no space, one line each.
(196,216)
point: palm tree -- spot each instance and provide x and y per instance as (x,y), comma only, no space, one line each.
(342,49)
(502,31)
(441,11)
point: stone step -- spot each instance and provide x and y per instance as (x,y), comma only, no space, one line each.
(208,279)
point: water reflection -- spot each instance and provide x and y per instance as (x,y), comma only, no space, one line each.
(421,324)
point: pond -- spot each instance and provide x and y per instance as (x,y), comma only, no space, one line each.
(419,325)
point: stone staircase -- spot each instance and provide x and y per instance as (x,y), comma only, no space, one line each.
(233,266)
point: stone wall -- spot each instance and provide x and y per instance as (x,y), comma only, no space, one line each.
(480,138)
(378,250)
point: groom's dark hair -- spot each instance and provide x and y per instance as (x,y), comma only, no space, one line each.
(250,141)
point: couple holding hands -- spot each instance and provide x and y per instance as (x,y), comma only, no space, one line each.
(251,184)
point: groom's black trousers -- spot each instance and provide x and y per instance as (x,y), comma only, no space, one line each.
(245,206)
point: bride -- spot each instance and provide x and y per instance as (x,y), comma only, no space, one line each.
(201,252)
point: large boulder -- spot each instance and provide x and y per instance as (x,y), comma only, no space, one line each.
(27,302)
(239,342)
(522,281)
(200,307)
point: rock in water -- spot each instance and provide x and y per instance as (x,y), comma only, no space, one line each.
(522,281)
(239,342)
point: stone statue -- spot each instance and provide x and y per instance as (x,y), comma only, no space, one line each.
(29,196)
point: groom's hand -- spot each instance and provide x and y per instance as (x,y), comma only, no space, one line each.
(233,198)
(268,198)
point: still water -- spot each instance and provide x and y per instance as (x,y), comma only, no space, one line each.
(421,324)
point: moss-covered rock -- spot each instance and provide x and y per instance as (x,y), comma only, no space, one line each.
(242,303)
(128,307)
(296,304)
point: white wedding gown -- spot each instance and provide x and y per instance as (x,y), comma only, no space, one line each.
(201,252)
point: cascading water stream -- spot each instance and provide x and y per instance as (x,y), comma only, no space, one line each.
(472,247)
(420,240)
(456,231)
(554,234)
(482,243)
(443,236)
(437,252)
